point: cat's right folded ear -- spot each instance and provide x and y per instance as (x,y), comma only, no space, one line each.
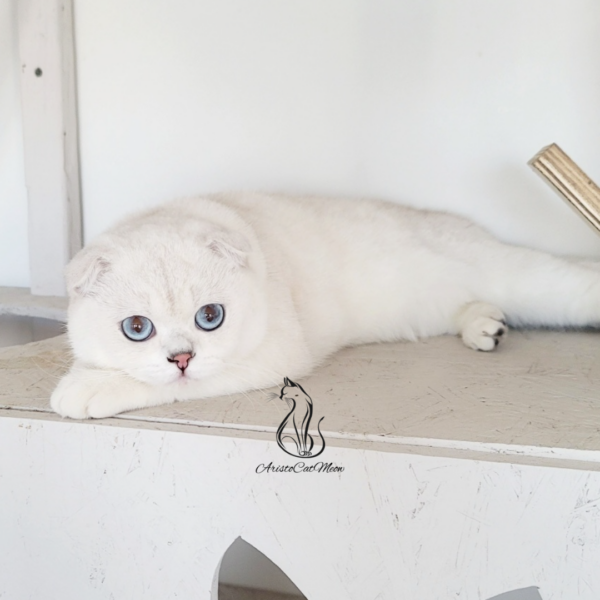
(85,270)
(230,245)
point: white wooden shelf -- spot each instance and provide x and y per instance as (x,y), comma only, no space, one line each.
(20,301)
(465,475)
(534,398)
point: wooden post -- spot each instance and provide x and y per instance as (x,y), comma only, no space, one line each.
(48,92)
(570,181)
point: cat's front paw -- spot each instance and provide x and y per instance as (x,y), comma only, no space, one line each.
(89,393)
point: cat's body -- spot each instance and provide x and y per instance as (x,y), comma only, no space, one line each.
(298,278)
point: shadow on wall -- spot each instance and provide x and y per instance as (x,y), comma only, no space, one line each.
(528,593)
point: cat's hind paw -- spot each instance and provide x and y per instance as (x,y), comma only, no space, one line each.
(482,326)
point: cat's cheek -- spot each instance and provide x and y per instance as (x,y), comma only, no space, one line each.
(87,328)
(247,335)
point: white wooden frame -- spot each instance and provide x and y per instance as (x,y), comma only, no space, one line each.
(49,104)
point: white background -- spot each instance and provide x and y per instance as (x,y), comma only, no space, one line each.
(432,103)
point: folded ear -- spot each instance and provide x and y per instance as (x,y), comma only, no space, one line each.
(230,245)
(85,270)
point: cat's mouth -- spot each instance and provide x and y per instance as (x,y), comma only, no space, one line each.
(187,378)
(183,378)
(179,378)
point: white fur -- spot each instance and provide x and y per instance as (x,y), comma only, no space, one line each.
(299,279)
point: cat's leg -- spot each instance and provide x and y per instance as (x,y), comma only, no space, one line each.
(527,287)
(481,325)
(86,392)
(535,289)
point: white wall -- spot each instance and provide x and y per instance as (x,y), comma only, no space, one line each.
(434,103)
(14,255)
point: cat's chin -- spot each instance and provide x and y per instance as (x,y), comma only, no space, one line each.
(185,381)
(168,382)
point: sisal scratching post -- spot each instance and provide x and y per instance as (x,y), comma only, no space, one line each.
(568,179)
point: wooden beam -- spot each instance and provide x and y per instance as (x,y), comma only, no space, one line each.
(570,181)
(49,103)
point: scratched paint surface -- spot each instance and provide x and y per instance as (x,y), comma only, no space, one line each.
(539,389)
(90,511)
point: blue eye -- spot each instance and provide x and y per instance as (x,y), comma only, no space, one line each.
(210,316)
(137,329)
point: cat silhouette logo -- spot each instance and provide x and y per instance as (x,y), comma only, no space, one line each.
(300,443)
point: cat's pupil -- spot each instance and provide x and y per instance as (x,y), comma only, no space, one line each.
(137,325)
(210,313)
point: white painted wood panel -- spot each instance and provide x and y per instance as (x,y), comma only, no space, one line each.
(90,511)
(49,109)
(14,259)
(464,475)
(20,301)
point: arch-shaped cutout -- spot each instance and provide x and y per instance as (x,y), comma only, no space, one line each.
(245,573)
(18,329)
(530,593)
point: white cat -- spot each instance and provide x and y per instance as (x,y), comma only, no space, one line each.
(228,293)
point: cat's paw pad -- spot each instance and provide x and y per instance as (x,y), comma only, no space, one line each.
(485,332)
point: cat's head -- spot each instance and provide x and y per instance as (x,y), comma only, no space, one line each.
(166,302)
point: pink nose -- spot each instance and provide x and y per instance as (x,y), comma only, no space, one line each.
(182,360)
